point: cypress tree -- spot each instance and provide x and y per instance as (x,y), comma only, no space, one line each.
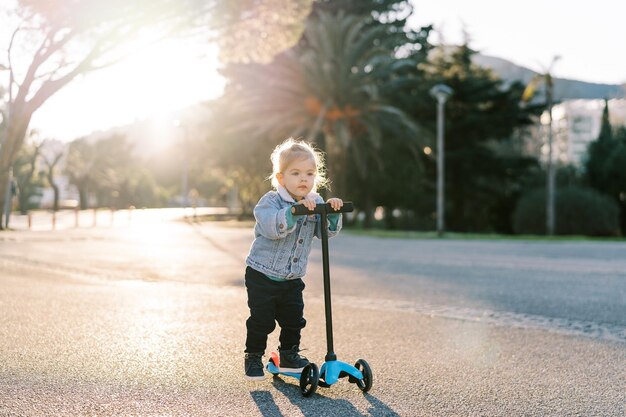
(598,154)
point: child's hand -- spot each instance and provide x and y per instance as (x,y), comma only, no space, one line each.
(308,203)
(335,203)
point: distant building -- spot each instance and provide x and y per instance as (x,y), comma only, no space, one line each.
(575,124)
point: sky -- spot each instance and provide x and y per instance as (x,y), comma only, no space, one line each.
(588,36)
(155,83)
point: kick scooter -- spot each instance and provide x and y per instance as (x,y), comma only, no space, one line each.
(309,377)
(332,369)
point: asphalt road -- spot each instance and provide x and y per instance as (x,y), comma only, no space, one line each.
(146,318)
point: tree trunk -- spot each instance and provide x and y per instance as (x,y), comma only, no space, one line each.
(55,188)
(24,196)
(9,147)
(4,183)
(83,196)
(5,169)
(25,189)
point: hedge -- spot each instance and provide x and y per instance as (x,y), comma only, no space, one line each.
(578,211)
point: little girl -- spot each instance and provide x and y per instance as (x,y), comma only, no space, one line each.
(278,256)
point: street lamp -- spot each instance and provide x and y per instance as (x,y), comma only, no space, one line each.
(546,78)
(441,92)
(550,189)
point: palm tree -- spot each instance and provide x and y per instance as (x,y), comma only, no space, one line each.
(329,90)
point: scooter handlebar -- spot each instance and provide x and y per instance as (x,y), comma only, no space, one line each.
(300,210)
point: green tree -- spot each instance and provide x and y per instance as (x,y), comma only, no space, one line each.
(604,167)
(109,171)
(51,160)
(580,211)
(237,155)
(616,174)
(482,115)
(112,170)
(66,39)
(363,7)
(80,168)
(395,174)
(25,170)
(329,90)
(598,154)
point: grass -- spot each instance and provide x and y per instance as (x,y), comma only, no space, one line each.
(232,221)
(404,234)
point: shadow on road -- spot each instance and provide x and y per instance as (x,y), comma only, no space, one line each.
(316,405)
(266,404)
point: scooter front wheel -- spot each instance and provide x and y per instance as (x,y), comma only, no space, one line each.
(309,378)
(366,383)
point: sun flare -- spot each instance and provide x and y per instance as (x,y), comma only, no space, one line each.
(152,83)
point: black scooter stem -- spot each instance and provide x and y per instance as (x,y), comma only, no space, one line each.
(323,210)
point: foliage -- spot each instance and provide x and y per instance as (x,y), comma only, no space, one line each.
(481,116)
(26,171)
(599,152)
(579,211)
(240,156)
(80,168)
(354,87)
(616,164)
(65,39)
(616,170)
(362,7)
(199,160)
(51,159)
(329,89)
(109,171)
(604,167)
(258,30)
(395,182)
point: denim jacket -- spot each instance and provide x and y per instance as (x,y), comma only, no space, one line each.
(279,251)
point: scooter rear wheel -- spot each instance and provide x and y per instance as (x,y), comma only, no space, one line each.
(366,383)
(274,361)
(309,379)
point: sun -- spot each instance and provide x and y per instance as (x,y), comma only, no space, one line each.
(152,83)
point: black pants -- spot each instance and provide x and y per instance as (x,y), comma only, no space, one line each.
(270,302)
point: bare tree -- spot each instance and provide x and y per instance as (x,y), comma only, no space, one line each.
(64,39)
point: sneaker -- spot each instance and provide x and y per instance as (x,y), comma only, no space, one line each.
(253,366)
(291,360)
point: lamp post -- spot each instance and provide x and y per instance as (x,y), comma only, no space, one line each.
(550,168)
(441,92)
(551,174)
(546,78)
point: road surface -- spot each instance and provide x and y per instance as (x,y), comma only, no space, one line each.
(147,317)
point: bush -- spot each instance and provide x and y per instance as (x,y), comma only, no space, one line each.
(578,211)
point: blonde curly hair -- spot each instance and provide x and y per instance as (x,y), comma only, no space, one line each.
(295,150)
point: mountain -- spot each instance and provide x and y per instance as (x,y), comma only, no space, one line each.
(563,88)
